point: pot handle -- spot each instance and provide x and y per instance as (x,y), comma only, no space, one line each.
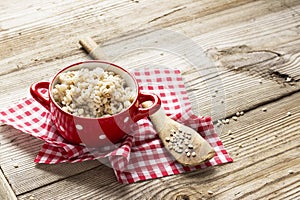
(40,95)
(146,112)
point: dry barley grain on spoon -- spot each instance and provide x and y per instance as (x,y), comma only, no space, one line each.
(191,153)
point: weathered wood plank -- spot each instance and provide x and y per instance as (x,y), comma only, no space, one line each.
(265,146)
(241,72)
(204,17)
(56,61)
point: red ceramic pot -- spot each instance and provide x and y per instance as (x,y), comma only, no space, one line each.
(95,132)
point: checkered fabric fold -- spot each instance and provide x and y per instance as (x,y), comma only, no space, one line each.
(141,155)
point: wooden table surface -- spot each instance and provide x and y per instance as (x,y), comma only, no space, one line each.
(254,47)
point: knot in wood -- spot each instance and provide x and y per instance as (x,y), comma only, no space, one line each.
(182,197)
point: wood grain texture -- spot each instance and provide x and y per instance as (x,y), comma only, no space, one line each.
(254,50)
(265,146)
(6,193)
(18,151)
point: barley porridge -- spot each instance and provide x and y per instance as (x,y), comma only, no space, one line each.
(92,93)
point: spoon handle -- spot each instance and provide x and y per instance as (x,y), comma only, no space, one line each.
(158,119)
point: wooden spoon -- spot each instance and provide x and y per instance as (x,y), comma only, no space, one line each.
(183,143)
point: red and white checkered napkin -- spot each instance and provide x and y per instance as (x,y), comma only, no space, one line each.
(141,156)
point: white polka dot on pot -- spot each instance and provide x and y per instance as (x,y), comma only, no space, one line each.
(126,119)
(61,128)
(79,127)
(102,137)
